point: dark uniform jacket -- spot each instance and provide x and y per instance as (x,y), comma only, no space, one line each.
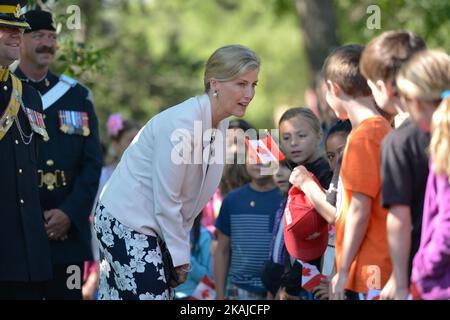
(76,161)
(24,246)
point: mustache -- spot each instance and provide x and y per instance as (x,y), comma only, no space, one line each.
(45,49)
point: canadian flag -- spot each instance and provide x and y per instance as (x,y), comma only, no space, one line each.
(205,290)
(264,150)
(311,276)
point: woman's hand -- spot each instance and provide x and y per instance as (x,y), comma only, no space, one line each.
(182,272)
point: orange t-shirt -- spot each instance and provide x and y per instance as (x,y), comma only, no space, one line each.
(360,172)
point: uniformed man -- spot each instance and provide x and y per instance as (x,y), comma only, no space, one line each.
(69,163)
(24,247)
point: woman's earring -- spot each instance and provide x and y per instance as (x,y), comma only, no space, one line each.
(215,94)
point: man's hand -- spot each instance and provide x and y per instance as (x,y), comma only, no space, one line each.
(57,224)
(337,286)
(392,291)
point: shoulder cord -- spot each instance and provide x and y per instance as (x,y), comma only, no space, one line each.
(26,139)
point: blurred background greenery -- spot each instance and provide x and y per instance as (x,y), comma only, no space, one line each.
(141,56)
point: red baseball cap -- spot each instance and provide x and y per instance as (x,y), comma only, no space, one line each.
(305,231)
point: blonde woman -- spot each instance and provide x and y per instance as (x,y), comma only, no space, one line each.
(164,180)
(424,84)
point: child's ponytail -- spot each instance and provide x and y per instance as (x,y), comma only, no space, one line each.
(440,140)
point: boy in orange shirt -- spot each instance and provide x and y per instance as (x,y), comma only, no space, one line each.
(362,254)
(404,159)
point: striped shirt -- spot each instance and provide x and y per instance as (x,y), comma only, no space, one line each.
(247,217)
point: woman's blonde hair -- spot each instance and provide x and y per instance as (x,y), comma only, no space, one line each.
(228,63)
(440,139)
(425,76)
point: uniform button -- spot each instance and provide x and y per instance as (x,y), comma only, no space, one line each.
(20,170)
(17,141)
(50,162)
(21,201)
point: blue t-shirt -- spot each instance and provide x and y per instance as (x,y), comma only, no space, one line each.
(247,216)
(200,265)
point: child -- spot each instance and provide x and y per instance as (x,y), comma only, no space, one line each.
(335,143)
(244,232)
(200,259)
(380,62)
(325,203)
(300,139)
(362,254)
(424,84)
(274,268)
(404,163)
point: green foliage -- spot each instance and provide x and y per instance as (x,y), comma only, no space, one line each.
(158,50)
(428,18)
(77,61)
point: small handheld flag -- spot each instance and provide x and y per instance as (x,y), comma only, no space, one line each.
(205,290)
(264,150)
(311,276)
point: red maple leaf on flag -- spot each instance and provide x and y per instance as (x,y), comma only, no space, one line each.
(205,294)
(306,272)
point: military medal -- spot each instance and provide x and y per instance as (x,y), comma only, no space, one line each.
(64,128)
(74,122)
(63,176)
(85,123)
(37,122)
(50,180)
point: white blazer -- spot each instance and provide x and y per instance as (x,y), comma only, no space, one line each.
(153,194)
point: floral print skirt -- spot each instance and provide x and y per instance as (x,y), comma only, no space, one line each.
(131,265)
